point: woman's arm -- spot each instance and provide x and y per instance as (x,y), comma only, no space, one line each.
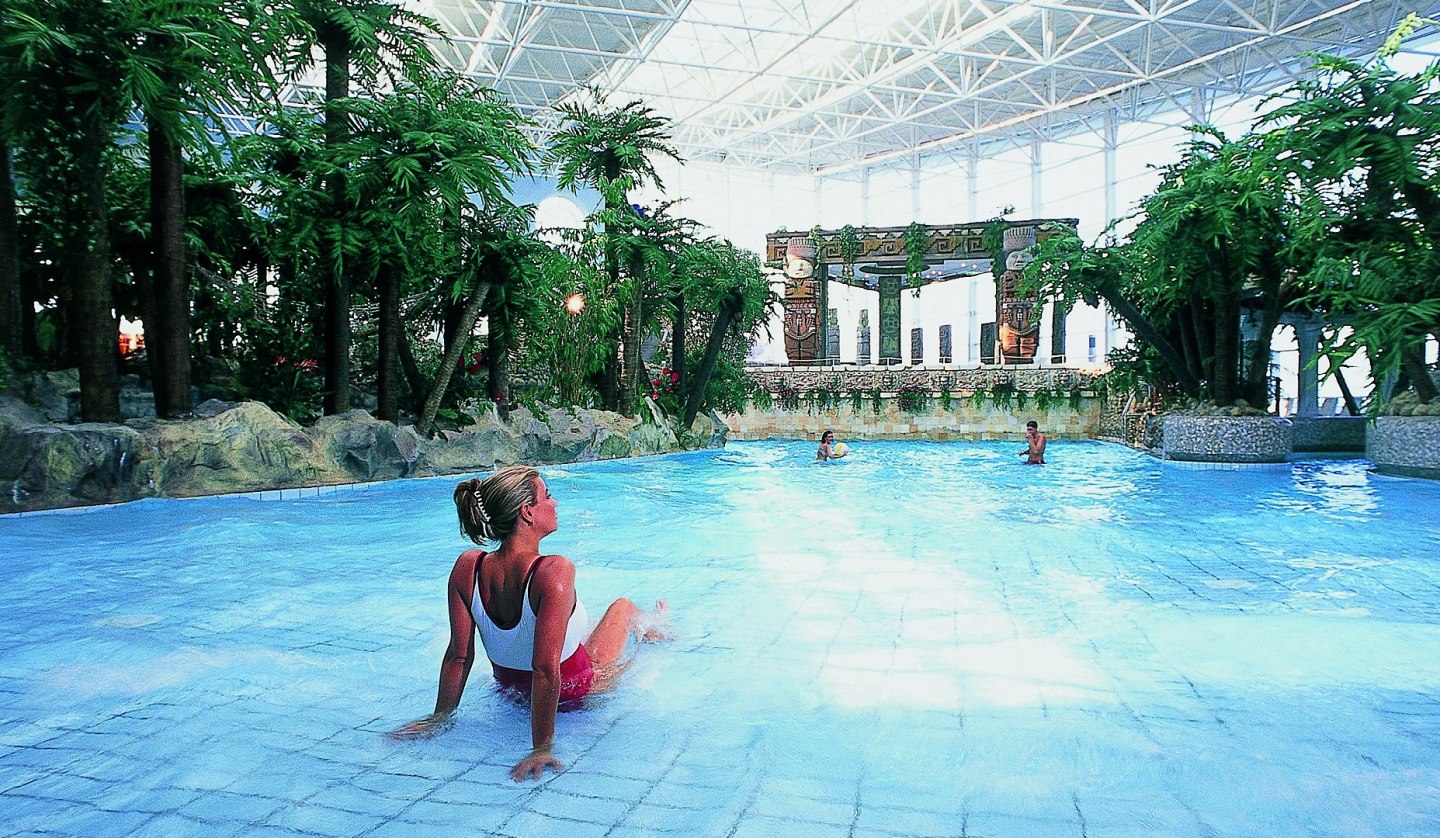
(459,655)
(554,583)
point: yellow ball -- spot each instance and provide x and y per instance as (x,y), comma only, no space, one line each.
(839,449)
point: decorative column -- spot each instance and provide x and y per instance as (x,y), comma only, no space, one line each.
(802,302)
(889,319)
(1307,338)
(1017,318)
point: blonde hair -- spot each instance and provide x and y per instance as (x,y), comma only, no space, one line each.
(490,508)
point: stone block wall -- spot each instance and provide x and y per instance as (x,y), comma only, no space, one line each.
(805,402)
(1330,433)
(961,421)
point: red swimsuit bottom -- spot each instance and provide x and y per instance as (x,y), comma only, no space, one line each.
(577,675)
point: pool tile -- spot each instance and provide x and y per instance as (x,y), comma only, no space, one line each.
(322,820)
(533,824)
(765,827)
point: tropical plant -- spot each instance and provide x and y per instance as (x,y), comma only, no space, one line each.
(65,71)
(1358,138)
(610,149)
(413,159)
(371,39)
(731,283)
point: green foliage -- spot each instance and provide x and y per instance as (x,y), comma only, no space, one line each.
(788,397)
(913,398)
(857,398)
(916,240)
(946,399)
(876,403)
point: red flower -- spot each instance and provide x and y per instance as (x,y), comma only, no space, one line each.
(475,367)
(655,383)
(308,365)
(674,377)
(499,397)
(280,360)
(665,370)
(655,396)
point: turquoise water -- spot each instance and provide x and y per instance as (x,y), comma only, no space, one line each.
(922,639)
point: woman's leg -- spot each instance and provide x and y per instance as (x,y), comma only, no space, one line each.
(607,642)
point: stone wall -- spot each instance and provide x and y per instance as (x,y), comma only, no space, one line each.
(961,421)
(1405,445)
(984,403)
(244,447)
(1226,439)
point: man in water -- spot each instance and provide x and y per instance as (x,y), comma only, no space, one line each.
(1034,444)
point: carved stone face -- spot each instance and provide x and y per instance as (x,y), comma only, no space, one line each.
(798,267)
(1018,260)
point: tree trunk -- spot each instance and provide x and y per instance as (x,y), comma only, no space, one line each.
(1351,406)
(413,378)
(452,354)
(677,342)
(631,329)
(1223,382)
(1257,375)
(707,363)
(170,343)
(1413,360)
(1147,332)
(12,322)
(613,388)
(93,330)
(1200,322)
(391,334)
(497,354)
(337,272)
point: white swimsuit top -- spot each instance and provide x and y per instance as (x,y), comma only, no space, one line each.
(514,648)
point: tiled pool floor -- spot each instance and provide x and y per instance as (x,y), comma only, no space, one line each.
(927,640)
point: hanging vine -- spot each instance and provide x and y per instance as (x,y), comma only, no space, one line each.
(917,240)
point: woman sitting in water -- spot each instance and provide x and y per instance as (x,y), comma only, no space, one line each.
(828,449)
(530,619)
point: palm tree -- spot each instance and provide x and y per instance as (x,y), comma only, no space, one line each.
(419,155)
(193,56)
(729,282)
(63,64)
(12,326)
(369,37)
(609,149)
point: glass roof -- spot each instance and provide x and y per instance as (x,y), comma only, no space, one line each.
(830,85)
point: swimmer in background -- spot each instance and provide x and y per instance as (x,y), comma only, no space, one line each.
(1034,444)
(827,449)
(524,605)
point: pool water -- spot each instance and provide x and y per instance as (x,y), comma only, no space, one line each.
(921,639)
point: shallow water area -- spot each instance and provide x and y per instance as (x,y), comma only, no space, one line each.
(919,639)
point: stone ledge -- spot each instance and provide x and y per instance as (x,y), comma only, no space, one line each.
(1408,446)
(1330,433)
(1227,439)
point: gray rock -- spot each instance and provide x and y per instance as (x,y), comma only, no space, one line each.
(211,408)
(368,448)
(48,466)
(245,448)
(15,413)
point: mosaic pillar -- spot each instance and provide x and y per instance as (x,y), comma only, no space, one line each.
(889,319)
(1017,318)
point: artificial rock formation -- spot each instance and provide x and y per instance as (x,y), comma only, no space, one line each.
(245,446)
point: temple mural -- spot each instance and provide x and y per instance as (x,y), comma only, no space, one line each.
(882,261)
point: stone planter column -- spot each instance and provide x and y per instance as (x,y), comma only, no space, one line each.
(1405,445)
(1227,439)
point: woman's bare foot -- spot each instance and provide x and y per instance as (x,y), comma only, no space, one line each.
(654,626)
